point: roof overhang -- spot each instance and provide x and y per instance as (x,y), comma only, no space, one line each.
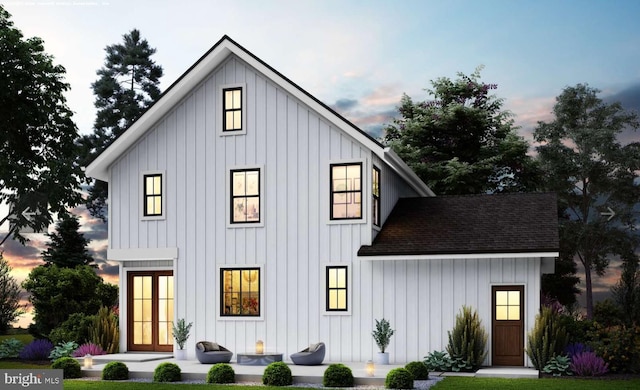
(465,256)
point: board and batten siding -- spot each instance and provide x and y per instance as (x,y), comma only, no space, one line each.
(293,146)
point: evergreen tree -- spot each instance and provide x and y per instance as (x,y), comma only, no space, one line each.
(38,171)
(591,172)
(68,247)
(10,308)
(626,293)
(126,87)
(462,141)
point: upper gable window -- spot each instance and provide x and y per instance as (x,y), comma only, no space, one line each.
(245,196)
(153,192)
(346,191)
(233,109)
(375,191)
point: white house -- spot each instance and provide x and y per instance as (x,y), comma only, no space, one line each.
(241,203)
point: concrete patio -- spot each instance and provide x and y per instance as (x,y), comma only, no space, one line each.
(142,365)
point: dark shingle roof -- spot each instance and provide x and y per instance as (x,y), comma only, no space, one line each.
(509,223)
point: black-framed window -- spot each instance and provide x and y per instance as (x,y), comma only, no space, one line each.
(337,288)
(240,292)
(375,192)
(346,191)
(152,195)
(245,195)
(232,109)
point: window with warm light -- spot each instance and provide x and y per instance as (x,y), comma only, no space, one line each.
(232,111)
(508,305)
(152,203)
(346,191)
(245,196)
(240,295)
(337,288)
(375,191)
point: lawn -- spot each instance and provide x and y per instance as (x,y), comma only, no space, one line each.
(25,338)
(100,385)
(462,383)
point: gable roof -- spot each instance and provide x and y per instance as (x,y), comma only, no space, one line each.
(474,224)
(99,168)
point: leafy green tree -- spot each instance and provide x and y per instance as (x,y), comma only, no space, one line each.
(57,292)
(462,141)
(127,85)
(591,172)
(626,293)
(38,172)
(68,247)
(10,308)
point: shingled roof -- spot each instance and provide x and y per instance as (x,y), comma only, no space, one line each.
(482,224)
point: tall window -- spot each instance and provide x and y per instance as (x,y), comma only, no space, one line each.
(337,288)
(240,295)
(245,196)
(232,104)
(375,191)
(346,191)
(152,204)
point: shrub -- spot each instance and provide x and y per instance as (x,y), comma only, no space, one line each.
(104,331)
(38,349)
(575,348)
(468,339)
(438,361)
(221,373)
(547,338)
(588,364)
(459,364)
(399,378)
(69,366)
(337,375)
(167,372)
(115,371)
(10,348)
(619,346)
(558,366)
(277,374)
(577,329)
(75,328)
(88,349)
(63,350)
(419,370)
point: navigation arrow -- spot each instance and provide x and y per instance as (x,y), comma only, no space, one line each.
(28,215)
(609,214)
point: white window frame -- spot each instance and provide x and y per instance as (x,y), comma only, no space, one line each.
(364,187)
(219,284)
(229,197)
(324,284)
(143,196)
(220,109)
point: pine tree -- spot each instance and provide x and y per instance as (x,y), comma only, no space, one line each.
(126,87)
(68,247)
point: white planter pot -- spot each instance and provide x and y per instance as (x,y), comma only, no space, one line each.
(180,354)
(382,358)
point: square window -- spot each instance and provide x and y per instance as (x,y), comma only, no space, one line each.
(346,191)
(240,292)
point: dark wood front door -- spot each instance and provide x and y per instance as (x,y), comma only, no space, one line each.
(150,311)
(507,334)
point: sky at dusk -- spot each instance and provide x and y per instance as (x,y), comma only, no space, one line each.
(358,57)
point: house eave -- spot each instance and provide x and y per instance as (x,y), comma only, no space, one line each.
(453,256)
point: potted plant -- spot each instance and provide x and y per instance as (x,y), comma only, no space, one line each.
(181,334)
(382,335)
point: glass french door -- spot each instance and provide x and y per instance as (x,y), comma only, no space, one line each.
(150,311)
